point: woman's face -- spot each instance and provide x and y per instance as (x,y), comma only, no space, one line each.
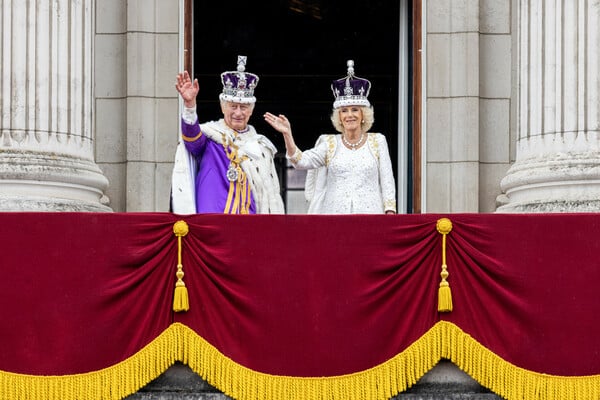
(351,117)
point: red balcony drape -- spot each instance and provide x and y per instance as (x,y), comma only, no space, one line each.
(286,303)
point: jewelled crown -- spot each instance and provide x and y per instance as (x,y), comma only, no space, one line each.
(238,86)
(351,90)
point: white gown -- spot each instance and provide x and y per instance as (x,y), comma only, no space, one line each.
(345,181)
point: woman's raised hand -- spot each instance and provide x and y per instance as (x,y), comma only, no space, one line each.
(279,123)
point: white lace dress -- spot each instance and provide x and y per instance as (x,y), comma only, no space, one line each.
(344,181)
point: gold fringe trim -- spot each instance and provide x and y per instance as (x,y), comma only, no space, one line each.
(380,382)
(179,343)
(112,383)
(506,379)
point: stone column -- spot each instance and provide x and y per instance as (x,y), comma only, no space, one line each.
(46,127)
(557,167)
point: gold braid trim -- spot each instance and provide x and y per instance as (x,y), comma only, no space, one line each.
(297,156)
(330,149)
(180,343)
(191,139)
(374,144)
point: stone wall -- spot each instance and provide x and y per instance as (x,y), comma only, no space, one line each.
(137,124)
(468,100)
(444,382)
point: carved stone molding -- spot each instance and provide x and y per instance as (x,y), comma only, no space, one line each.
(46,101)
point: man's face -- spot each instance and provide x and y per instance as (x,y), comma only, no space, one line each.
(236,115)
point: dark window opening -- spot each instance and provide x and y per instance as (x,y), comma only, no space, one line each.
(297,47)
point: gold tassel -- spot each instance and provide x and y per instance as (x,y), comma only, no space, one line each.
(444,226)
(181,301)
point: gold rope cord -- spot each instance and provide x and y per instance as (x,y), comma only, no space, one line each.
(238,199)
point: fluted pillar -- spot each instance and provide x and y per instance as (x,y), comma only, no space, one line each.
(557,167)
(46,82)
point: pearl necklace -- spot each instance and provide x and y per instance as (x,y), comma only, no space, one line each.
(354,146)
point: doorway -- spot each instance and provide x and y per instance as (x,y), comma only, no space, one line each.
(297,48)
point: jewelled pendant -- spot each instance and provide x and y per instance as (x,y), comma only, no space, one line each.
(232,173)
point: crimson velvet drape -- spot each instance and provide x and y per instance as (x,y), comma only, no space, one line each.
(295,295)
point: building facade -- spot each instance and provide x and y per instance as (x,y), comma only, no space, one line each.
(112,89)
(467,86)
(496,103)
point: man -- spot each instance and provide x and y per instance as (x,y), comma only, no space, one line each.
(224,166)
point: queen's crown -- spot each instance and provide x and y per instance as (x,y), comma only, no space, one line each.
(351,90)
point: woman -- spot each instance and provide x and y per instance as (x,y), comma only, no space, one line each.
(350,172)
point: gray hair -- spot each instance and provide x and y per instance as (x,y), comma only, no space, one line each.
(224,102)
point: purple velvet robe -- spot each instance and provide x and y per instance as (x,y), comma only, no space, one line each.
(212,185)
